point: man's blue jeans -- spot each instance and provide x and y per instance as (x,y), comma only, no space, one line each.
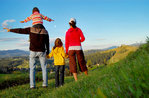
(32,61)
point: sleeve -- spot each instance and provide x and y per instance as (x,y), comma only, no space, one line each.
(21,30)
(47,44)
(46,18)
(28,18)
(51,54)
(66,42)
(82,36)
(63,53)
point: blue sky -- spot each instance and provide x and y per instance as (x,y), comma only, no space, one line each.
(104,23)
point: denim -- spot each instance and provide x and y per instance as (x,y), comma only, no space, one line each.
(59,81)
(32,63)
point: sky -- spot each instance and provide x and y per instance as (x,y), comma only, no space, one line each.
(104,23)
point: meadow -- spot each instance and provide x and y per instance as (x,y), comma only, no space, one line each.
(126,78)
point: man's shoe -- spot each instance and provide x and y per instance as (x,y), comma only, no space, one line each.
(44,86)
(32,88)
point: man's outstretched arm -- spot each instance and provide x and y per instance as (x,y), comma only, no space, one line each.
(19,30)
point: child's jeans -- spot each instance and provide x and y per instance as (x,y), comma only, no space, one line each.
(59,69)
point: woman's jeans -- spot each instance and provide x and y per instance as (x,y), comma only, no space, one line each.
(59,81)
(32,61)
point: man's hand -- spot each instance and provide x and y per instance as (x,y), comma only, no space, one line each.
(8,30)
(22,21)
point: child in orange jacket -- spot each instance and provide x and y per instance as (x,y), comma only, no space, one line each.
(59,61)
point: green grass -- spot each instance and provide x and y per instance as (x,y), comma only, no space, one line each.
(5,77)
(127,78)
(9,80)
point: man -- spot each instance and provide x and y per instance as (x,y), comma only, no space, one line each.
(39,47)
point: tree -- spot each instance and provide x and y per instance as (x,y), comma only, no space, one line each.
(89,63)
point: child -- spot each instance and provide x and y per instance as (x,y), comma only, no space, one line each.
(59,54)
(37,18)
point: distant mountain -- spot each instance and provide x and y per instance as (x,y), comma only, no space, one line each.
(112,47)
(12,53)
(87,52)
(136,44)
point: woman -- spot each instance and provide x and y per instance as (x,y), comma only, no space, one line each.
(74,37)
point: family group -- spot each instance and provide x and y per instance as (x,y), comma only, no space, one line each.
(39,48)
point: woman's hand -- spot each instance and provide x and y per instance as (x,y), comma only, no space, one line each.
(8,30)
(22,21)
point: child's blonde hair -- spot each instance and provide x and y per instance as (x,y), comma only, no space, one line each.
(58,43)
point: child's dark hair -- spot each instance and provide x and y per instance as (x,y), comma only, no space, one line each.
(73,24)
(58,43)
(35,9)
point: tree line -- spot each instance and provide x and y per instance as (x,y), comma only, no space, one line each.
(99,58)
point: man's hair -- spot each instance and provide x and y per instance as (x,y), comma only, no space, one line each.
(58,43)
(35,9)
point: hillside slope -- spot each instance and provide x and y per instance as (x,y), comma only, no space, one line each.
(127,78)
(121,53)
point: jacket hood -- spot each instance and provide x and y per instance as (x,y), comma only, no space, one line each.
(56,49)
(73,29)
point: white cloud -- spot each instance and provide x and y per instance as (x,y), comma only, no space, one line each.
(5,23)
(23,44)
(9,39)
(17,43)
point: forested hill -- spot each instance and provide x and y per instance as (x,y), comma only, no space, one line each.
(121,53)
(109,56)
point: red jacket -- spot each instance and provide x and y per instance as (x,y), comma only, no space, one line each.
(74,37)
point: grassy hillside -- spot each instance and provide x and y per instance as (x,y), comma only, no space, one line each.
(127,78)
(109,56)
(121,53)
